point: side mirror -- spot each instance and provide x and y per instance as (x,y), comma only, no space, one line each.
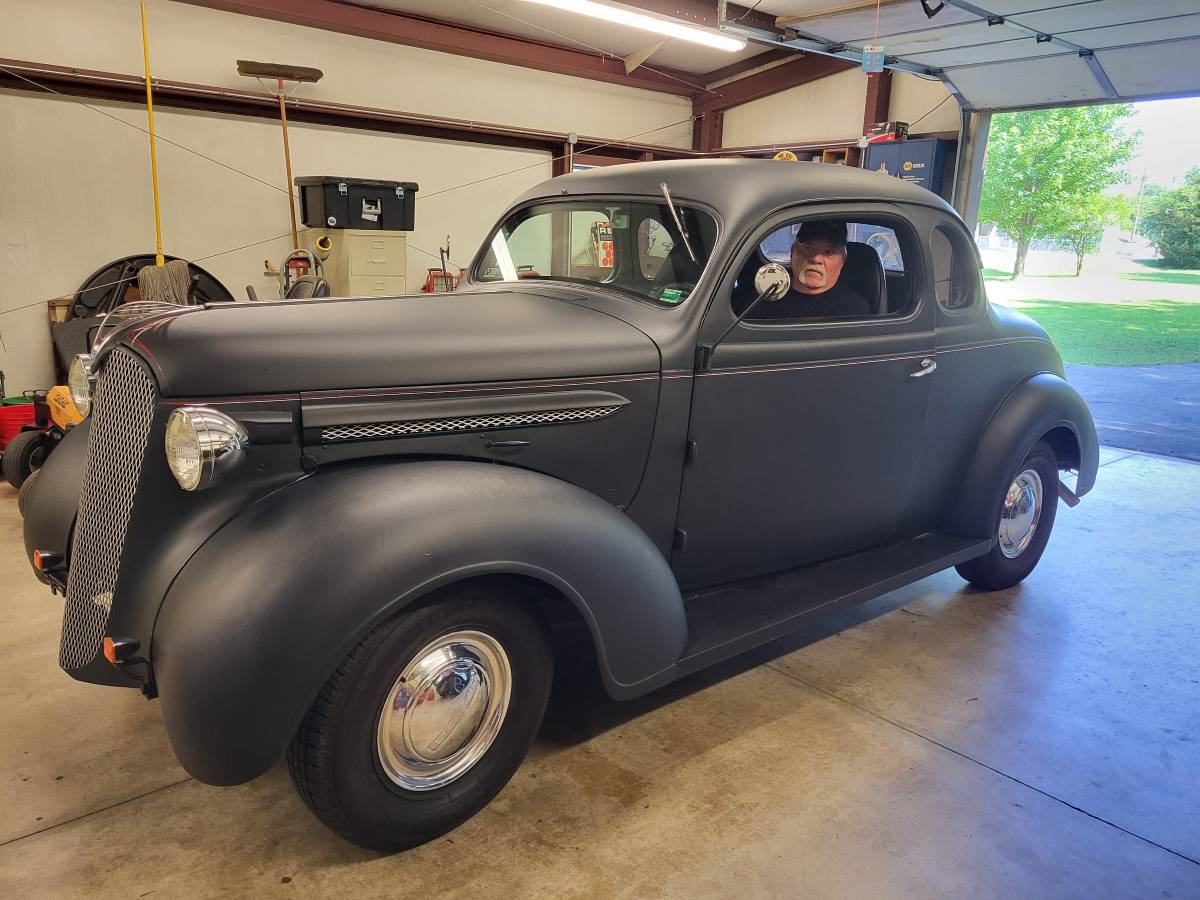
(772,281)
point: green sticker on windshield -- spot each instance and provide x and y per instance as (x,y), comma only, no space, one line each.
(671,295)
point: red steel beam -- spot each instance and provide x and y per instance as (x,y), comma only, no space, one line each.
(462,40)
(879,96)
(132,89)
(802,70)
(746,65)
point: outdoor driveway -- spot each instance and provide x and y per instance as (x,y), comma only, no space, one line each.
(1155,409)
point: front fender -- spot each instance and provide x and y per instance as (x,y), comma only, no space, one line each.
(1036,407)
(54,497)
(263,613)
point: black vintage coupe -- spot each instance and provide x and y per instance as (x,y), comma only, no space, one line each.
(355,531)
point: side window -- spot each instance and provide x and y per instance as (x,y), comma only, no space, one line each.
(840,269)
(956,275)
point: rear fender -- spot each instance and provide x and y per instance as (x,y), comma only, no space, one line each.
(1035,408)
(263,613)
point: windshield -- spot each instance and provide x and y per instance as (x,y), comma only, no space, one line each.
(633,246)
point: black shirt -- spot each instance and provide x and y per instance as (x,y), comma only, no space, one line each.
(837,302)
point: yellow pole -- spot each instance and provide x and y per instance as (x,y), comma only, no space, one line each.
(158,245)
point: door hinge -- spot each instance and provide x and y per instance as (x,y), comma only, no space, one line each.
(680,539)
(691,451)
(703,353)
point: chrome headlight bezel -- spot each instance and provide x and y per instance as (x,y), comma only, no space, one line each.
(202,446)
(80,381)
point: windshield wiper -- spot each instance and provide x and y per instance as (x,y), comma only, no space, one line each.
(666,192)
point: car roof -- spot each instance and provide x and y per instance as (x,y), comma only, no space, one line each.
(739,187)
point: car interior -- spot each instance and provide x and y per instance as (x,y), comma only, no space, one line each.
(874,268)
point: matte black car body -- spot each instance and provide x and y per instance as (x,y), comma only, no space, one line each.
(700,497)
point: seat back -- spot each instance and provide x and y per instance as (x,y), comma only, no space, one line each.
(863,273)
(308,286)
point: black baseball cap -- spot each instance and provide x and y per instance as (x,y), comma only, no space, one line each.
(831,230)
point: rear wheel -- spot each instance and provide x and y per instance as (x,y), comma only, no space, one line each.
(22,456)
(1026,517)
(424,721)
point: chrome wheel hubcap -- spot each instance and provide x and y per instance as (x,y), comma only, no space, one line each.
(444,711)
(1022,509)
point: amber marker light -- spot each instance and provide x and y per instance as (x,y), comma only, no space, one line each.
(44,560)
(110,650)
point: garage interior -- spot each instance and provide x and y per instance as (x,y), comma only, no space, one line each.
(1040,741)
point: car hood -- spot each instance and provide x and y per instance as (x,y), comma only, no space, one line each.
(480,336)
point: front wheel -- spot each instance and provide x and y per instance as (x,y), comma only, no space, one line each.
(424,721)
(23,456)
(1026,517)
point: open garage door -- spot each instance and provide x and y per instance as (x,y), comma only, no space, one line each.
(1008,54)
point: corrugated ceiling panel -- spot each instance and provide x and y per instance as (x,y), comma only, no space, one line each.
(1055,79)
(1154,69)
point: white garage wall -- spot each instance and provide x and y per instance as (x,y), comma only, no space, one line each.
(828,109)
(831,109)
(193,44)
(76,189)
(83,198)
(914,97)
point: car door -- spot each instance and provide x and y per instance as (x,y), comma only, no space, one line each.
(804,435)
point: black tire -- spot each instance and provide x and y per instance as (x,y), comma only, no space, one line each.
(23,494)
(22,456)
(333,758)
(994,571)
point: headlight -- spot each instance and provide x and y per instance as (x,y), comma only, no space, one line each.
(202,445)
(79,381)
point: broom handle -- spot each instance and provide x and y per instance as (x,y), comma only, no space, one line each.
(158,245)
(287,162)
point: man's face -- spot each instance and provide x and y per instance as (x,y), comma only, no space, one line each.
(816,265)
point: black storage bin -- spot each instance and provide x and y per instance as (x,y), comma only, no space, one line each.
(327,201)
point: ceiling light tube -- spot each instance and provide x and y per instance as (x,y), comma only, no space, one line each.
(646,23)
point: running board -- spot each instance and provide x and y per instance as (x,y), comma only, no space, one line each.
(726,621)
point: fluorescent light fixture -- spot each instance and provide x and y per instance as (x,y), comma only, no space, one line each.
(646,23)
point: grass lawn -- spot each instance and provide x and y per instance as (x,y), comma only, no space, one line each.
(1150,332)
(995,273)
(1167,276)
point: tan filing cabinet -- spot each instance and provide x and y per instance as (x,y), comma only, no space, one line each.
(366,263)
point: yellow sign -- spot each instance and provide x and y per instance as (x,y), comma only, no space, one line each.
(786,154)
(907,165)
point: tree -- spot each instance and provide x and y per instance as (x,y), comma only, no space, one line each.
(1043,165)
(1084,224)
(1172,220)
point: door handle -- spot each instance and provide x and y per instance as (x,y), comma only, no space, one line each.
(928,367)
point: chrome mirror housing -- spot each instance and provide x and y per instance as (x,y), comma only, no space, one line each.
(772,281)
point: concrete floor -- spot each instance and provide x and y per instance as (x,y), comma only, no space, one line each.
(1042,742)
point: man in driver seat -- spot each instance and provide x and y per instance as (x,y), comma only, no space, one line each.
(818,256)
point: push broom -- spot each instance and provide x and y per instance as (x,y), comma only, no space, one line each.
(279,73)
(164,282)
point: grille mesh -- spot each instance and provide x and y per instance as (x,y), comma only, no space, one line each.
(122,409)
(464,423)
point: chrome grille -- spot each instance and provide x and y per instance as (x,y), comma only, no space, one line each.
(464,423)
(122,409)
